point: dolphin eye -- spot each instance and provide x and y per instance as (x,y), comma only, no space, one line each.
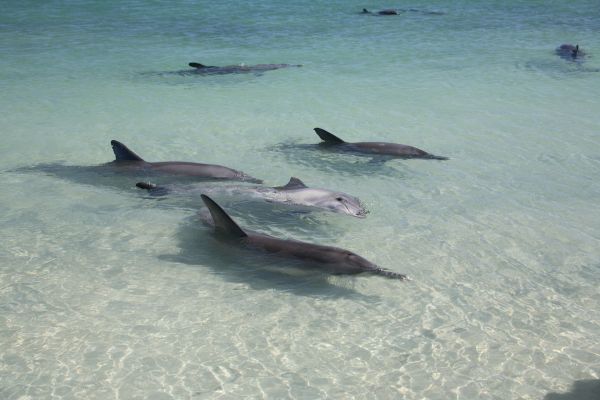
(339,199)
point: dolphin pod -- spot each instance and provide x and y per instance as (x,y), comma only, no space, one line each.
(332,260)
(127,159)
(295,192)
(393,150)
(235,69)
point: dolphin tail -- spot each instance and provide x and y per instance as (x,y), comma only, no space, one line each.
(390,274)
(328,137)
(122,152)
(223,222)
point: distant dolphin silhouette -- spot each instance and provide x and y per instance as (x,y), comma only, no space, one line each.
(394,150)
(398,11)
(128,160)
(294,193)
(235,69)
(569,52)
(332,260)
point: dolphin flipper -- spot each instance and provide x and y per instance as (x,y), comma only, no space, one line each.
(328,137)
(122,152)
(223,222)
(153,189)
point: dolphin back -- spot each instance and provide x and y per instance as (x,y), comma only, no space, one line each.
(122,152)
(223,222)
(328,137)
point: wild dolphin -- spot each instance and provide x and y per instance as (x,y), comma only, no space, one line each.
(127,159)
(397,11)
(394,150)
(569,52)
(235,69)
(295,192)
(332,260)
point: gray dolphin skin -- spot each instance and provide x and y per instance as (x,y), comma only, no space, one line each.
(127,159)
(295,193)
(236,69)
(569,52)
(332,260)
(394,150)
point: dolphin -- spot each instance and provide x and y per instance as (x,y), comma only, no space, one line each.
(235,69)
(332,260)
(569,52)
(295,193)
(397,11)
(126,159)
(394,150)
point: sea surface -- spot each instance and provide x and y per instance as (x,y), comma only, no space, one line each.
(108,293)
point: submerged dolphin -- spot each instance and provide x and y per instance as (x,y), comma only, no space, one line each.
(295,192)
(397,11)
(569,52)
(235,69)
(332,260)
(394,150)
(127,159)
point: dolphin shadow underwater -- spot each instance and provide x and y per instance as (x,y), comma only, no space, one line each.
(295,194)
(200,247)
(317,157)
(119,174)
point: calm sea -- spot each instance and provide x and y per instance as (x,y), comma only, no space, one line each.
(106,293)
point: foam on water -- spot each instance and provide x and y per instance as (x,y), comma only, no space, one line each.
(105,293)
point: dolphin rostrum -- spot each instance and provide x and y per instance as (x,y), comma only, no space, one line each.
(394,150)
(295,192)
(235,69)
(125,158)
(332,260)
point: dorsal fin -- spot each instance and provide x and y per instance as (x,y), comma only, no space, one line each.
(196,65)
(223,222)
(122,153)
(328,137)
(294,183)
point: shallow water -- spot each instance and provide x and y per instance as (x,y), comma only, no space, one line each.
(107,293)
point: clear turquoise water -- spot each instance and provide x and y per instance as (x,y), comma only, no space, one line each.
(105,293)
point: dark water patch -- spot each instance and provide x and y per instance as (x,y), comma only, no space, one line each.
(581,390)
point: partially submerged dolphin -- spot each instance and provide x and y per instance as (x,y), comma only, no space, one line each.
(127,159)
(332,260)
(295,192)
(569,52)
(394,150)
(235,69)
(397,11)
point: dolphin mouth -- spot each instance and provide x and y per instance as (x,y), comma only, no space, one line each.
(361,214)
